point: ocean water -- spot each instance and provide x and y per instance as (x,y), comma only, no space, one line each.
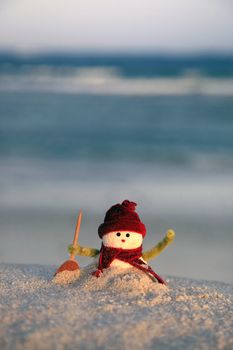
(76,136)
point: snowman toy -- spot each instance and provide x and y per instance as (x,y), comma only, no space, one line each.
(122,234)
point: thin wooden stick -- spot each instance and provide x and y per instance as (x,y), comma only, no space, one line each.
(72,256)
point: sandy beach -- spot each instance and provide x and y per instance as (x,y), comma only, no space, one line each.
(120,310)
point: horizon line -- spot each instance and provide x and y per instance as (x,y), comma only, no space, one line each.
(113,53)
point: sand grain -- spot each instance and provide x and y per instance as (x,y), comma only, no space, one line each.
(120,310)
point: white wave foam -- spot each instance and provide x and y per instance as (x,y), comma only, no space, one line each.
(109,81)
(32,185)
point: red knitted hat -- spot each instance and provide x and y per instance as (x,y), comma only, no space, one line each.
(122,217)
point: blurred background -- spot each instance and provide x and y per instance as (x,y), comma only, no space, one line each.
(102,101)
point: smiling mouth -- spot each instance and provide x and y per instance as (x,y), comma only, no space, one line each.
(123,240)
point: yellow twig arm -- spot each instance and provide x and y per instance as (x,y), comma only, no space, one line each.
(156,250)
(83,251)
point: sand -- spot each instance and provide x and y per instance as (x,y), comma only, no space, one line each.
(120,310)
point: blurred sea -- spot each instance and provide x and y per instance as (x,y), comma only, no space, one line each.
(88,132)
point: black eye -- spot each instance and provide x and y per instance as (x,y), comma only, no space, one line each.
(127,234)
(118,234)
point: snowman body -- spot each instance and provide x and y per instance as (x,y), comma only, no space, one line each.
(122,233)
(123,240)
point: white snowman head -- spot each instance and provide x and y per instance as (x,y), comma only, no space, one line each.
(122,239)
(122,227)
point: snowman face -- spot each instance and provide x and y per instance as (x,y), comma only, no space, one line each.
(123,239)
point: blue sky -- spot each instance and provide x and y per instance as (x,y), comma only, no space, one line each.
(116,25)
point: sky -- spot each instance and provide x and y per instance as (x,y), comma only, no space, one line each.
(29,26)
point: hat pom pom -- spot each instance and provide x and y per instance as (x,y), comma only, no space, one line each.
(129,205)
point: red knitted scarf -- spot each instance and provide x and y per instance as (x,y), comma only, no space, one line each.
(131,256)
